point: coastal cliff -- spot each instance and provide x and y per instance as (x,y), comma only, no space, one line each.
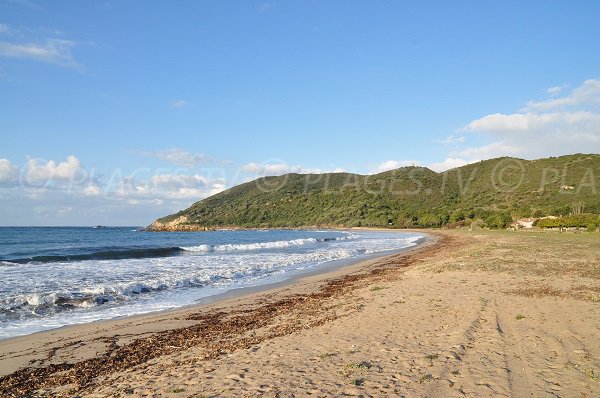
(179,224)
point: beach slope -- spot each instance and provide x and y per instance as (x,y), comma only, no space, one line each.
(469,314)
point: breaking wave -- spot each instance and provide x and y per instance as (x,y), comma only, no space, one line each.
(280,244)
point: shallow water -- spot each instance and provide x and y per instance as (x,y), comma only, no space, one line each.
(51,277)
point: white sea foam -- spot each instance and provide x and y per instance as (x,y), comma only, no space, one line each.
(264,245)
(61,293)
(251,246)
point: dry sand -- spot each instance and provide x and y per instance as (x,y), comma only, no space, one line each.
(472,314)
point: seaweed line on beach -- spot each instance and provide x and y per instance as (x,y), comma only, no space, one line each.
(217,332)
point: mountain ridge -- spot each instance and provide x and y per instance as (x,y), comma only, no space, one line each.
(412,196)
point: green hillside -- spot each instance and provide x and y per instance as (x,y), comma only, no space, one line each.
(493,191)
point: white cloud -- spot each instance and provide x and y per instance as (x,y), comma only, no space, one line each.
(452,139)
(54,51)
(92,190)
(555,126)
(38,171)
(321,171)
(270,169)
(180,103)
(554,90)
(60,207)
(395,164)
(278,168)
(174,181)
(498,122)
(495,149)
(137,199)
(8,171)
(179,157)
(588,94)
(43,177)
(449,163)
(520,123)
(168,186)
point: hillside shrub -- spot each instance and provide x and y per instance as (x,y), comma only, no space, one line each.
(498,221)
(575,221)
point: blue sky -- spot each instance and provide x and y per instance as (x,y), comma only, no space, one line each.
(119,112)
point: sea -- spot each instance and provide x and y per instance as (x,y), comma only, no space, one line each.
(56,276)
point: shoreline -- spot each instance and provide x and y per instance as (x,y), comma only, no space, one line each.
(449,318)
(199,228)
(298,282)
(336,267)
(289,278)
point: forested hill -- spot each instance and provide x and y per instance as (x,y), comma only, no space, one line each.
(496,189)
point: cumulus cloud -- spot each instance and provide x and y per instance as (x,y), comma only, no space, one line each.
(488,151)
(8,171)
(271,169)
(555,126)
(141,195)
(396,164)
(278,168)
(555,90)
(588,94)
(53,51)
(92,190)
(179,157)
(40,172)
(519,123)
(449,163)
(184,186)
(42,176)
(167,186)
(179,186)
(171,181)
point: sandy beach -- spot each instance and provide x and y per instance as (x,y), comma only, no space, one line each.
(471,313)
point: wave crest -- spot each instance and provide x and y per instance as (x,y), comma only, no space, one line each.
(280,244)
